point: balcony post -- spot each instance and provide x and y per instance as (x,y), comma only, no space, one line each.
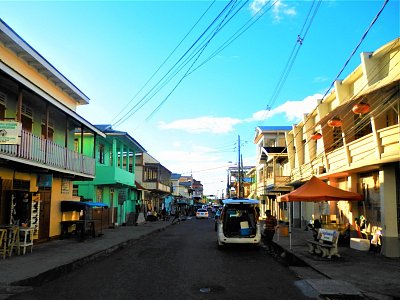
(378,143)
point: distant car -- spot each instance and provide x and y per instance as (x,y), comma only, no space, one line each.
(202,213)
(238,223)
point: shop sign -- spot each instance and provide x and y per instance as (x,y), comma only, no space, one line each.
(10,133)
(45,180)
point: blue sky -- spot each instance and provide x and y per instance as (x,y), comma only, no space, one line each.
(191,122)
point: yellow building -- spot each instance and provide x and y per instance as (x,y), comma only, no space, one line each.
(352,140)
(40,160)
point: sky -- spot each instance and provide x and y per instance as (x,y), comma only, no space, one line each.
(188,79)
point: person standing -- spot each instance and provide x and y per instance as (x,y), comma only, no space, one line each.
(269,230)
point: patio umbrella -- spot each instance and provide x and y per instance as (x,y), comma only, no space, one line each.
(315,190)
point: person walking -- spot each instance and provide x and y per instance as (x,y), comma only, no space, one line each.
(269,230)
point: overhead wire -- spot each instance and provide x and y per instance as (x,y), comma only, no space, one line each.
(239,32)
(165,60)
(198,54)
(363,122)
(143,100)
(293,55)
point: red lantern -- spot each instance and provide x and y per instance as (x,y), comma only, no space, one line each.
(361,108)
(316,136)
(335,122)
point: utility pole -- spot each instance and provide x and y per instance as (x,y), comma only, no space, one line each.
(239,171)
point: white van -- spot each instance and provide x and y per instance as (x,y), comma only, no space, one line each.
(238,223)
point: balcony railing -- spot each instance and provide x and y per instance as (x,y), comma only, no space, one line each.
(40,151)
(384,146)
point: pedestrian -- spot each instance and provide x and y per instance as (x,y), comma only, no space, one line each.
(269,230)
(164,213)
(176,217)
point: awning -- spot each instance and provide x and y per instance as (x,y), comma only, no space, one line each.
(70,205)
(315,190)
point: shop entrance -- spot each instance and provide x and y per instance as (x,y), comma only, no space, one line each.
(44,219)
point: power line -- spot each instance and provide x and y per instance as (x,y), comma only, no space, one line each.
(165,61)
(142,101)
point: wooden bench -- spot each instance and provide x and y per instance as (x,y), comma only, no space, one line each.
(326,243)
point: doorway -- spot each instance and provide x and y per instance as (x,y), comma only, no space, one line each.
(44,215)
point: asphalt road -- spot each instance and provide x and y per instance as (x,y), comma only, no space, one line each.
(181,262)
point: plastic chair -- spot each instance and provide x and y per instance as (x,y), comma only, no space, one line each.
(13,241)
(26,239)
(3,242)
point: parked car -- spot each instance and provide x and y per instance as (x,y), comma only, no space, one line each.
(202,213)
(238,223)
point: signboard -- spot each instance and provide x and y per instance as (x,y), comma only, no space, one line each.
(44,180)
(10,133)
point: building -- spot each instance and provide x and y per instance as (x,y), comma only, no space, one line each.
(114,183)
(272,169)
(352,140)
(238,182)
(155,180)
(39,157)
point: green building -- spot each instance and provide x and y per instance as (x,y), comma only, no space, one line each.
(114,183)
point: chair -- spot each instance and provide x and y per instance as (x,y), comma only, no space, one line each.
(13,240)
(3,242)
(25,239)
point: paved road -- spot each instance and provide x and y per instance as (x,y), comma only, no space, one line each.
(181,262)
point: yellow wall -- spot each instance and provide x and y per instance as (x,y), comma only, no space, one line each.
(10,59)
(56,198)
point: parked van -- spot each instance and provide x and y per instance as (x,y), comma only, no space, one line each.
(238,223)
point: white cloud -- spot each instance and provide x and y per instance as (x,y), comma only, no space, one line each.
(294,110)
(280,8)
(203,125)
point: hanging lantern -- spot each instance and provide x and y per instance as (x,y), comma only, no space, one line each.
(361,108)
(316,136)
(335,122)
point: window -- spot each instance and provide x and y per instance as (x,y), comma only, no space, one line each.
(3,98)
(362,127)
(76,145)
(50,132)
(26,118)
(99,194)
(75,190)
(101,153)
(337,138)
(26,123)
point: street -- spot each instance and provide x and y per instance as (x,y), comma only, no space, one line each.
(181,262)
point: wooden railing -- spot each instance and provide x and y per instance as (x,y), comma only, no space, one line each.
(36,150)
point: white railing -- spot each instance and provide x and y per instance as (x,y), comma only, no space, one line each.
(37,150)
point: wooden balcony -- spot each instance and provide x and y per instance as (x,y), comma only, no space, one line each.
(36,151)
(156,186)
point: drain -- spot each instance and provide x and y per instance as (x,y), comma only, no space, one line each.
(205,290)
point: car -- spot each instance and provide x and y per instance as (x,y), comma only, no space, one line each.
(238,223)
(202,213)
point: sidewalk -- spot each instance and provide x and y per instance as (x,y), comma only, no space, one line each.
(376,276)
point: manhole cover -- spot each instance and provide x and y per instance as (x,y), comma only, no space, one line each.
(212,289)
